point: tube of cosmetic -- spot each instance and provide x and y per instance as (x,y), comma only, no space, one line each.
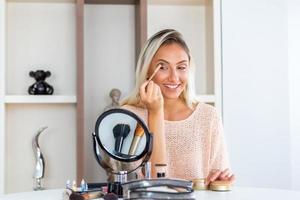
(148,170)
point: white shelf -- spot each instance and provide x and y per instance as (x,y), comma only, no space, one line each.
(40,99)
(206,98)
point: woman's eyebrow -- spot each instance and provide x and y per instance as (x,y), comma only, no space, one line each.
(162,60)
(183,61)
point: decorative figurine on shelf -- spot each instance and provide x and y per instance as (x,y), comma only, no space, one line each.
(39,169)
(40,87)
(115,95)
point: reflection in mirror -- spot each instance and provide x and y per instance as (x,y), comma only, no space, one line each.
(122,142)
(121,135)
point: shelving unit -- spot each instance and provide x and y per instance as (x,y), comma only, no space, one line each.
(38,34)
(11,99)
(79,41)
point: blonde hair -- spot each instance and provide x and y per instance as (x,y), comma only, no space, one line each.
(164,37)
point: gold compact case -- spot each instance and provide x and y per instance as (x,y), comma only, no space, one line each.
(220,186)
(199,184)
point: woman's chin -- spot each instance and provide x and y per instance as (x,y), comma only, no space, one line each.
(171,96)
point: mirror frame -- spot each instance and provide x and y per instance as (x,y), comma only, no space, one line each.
(149,143)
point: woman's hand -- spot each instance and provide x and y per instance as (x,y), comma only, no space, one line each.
(216,174)
(151,96)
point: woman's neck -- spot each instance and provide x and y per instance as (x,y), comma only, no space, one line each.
(173,104)
(176,109)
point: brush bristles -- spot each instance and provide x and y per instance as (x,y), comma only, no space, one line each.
(139,131)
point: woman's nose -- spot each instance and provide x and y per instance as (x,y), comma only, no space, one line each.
(173,76)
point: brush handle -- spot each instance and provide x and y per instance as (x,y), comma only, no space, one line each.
(119,144)
(134,144)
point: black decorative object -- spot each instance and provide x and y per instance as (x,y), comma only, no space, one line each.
(40,87)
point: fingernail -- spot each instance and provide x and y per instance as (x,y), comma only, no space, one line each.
(206,182)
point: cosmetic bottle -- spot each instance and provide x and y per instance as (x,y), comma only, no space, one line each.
(199,184)
(161,170)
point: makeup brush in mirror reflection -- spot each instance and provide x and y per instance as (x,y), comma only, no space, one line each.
(120,131)
(138,134)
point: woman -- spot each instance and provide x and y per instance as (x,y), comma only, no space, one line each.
(188,134)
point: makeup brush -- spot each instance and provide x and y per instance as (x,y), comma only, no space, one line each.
(153,74)
(120,131)
(138,134)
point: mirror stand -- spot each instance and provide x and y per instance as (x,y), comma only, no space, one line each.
(123,145)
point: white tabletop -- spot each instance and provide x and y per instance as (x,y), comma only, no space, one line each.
(246,193)
(237,193)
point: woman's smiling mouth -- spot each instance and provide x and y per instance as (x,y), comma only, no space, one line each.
(172,86)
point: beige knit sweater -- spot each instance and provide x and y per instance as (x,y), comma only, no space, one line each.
(195,145)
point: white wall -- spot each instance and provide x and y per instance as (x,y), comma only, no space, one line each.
(109,35)
(194,21)
(256,91)
(294,81)
(2,93)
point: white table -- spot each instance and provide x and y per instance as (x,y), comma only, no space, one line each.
(237,193)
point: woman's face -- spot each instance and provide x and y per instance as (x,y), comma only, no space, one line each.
(173,73)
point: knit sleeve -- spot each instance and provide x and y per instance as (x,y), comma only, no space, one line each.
(219,155)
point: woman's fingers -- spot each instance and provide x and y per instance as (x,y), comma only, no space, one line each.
(231,178)
(212,176)
(225,174)
(146,90)
(143,90)
(157,92)
(149,89)
(216,174)
(150,95)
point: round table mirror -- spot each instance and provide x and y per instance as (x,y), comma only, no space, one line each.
(122,141)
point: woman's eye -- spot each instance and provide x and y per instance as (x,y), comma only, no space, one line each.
(163,67)
(182,67)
